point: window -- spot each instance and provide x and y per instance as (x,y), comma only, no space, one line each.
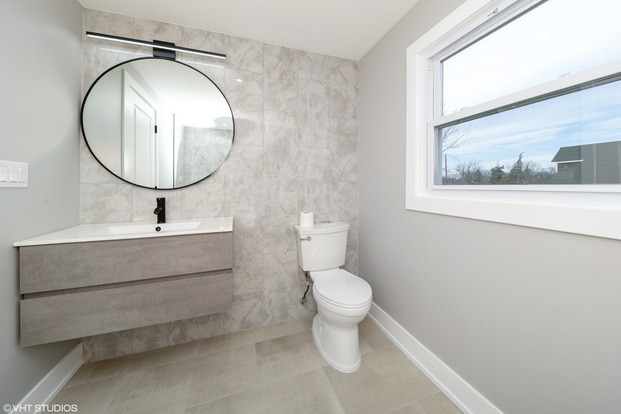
(514,115)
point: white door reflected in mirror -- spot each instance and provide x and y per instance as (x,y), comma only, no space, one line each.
(157,123)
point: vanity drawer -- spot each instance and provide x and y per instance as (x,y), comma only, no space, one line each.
(45,268)
(84,312)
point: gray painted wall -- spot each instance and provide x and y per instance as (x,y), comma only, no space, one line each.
(530,318)
(39,115)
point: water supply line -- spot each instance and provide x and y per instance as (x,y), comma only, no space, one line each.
(308,282)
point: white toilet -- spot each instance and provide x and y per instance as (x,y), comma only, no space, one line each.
(343,299)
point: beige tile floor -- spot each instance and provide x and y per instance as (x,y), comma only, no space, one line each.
(275,369)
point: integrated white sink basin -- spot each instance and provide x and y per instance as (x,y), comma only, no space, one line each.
(117,231)
(154,228)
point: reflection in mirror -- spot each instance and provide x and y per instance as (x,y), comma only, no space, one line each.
(157,123)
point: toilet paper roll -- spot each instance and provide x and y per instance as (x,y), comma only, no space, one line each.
(307,219)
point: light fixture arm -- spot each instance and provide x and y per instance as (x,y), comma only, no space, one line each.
(155,45)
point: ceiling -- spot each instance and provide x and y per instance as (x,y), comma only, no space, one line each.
(342,28)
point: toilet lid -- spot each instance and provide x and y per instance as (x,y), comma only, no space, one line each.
(341,288)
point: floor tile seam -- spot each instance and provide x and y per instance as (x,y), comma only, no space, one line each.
(280,335)
(258,379)
(117,397)
(342,403)
(419,373)
(112,397)
(417,402)
(326,377)
(147,367)
(130,359)
(372,390)
(198,352)
(436,392)
(423,396)
(88,380)
(232,395)
(254,341)
(202,355)
(264,383)
(373,349)
(266,380)
(324,364)
(263,340)
(72,384)
(410,404)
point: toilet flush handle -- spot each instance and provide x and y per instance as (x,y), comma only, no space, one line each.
(307,238)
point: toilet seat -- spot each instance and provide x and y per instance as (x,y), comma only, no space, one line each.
(341,288)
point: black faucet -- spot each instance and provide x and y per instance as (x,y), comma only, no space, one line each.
(160,210)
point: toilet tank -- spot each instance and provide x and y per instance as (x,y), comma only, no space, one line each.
(322,246)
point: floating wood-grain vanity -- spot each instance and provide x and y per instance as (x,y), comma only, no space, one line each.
(95,279)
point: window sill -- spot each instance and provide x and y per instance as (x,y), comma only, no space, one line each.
(592,214)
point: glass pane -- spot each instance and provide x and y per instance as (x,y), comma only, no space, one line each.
(570,139)
(556,38)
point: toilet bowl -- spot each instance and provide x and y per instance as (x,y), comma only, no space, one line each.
(343,299)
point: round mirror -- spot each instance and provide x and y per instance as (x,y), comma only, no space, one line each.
(157,123)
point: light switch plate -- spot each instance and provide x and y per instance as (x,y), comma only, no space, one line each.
(13,174)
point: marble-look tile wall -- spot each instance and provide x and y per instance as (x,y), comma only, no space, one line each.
(295,149)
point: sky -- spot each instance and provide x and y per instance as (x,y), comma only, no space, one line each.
(539,130)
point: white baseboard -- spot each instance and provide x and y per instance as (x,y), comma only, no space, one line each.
(463,395)
(45,391)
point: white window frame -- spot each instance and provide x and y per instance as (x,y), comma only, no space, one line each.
(580,209)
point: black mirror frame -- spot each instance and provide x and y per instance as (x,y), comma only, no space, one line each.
(130,182)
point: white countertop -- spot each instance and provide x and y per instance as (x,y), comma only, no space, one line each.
(120,231)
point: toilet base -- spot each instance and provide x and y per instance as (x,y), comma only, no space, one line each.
(337,345)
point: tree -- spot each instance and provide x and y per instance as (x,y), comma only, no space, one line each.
(451,138)
(497,174)
(470,173)
(522,172)
(516,174)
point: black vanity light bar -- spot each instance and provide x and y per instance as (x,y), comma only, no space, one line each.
(154,45)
